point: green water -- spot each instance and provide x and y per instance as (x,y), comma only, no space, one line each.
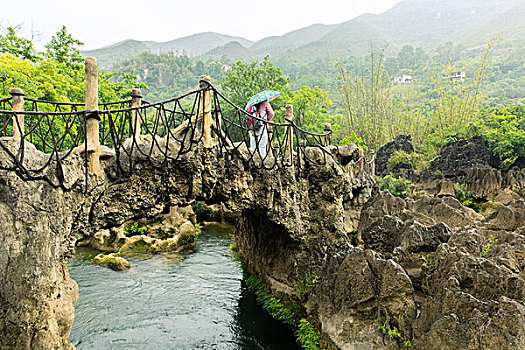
(195,301)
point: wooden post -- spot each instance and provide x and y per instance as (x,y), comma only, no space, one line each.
(269,144)
(136,122)
(18,106)
(327,130)
(302,149)
(288,136)
(276,150)
(205,107)
(92,118)
(361,163)
(373,163)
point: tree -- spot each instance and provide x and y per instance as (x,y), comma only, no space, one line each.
(19,47)
(62,48)
(245,80)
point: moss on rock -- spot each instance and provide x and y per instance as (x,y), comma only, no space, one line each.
(113,261)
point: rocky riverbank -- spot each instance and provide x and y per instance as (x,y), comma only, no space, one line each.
(364,268)
(426,273)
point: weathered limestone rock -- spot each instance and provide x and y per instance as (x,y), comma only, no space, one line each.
(112,261)
(488,208)
(506,196)
(292,221)
(36,293)
(509,217)
(401,143)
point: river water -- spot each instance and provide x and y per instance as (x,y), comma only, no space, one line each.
(193,301)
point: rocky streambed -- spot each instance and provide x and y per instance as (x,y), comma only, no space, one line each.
(173,232)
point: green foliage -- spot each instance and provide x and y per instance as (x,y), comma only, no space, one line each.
(465,197)
(429,268)
(414,161)
(168,75)
(16,46)
(432,111)
(393,335)
(304,285)
(62,49)
(56,76)
(353,138)
(245,80)
(396,186)
(307,336)
(488,246)
(134,229)
(504,131)
(366,100)
(271,304)
(200,208)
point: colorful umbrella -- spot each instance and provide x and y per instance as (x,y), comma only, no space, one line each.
(262,96)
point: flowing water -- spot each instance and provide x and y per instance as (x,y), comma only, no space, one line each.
(194,301)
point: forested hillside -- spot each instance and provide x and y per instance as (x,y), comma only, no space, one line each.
(340,74)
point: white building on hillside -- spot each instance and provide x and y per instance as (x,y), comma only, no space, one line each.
(402,79)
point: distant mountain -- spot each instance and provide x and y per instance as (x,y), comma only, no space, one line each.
(420,23)
(193,45)
(278,45)
(109,55)
(232,51)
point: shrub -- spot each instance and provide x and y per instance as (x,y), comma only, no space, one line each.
(133,229)
(397,187)
(465,197)
(504,131)
(202,211)
(414,161)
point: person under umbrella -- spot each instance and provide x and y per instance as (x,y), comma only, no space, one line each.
(260,103)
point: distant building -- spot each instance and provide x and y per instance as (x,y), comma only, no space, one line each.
(402,79)
(226,68)
(456,75)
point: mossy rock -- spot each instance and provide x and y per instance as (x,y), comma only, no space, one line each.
(113,261)
(489,208)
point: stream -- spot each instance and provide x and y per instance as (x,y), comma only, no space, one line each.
(190,301)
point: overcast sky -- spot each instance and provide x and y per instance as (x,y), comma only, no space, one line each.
(98,23)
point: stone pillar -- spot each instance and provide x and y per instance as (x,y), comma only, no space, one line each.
(136,122)
(92,117)
(288,136)
(328,131)
(205,111)
(18,106)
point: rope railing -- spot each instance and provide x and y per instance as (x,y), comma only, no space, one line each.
(160,132)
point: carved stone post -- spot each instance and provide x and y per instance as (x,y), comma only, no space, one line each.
(17,96)
(136,122)
(205,111)
(288,136)
(327,130)
(92,118)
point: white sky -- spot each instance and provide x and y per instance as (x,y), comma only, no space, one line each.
(98,23)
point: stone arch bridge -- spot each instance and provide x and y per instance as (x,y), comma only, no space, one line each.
(68,170)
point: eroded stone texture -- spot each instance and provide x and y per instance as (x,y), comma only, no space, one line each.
(37,296)
(293,222)
(40,224)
